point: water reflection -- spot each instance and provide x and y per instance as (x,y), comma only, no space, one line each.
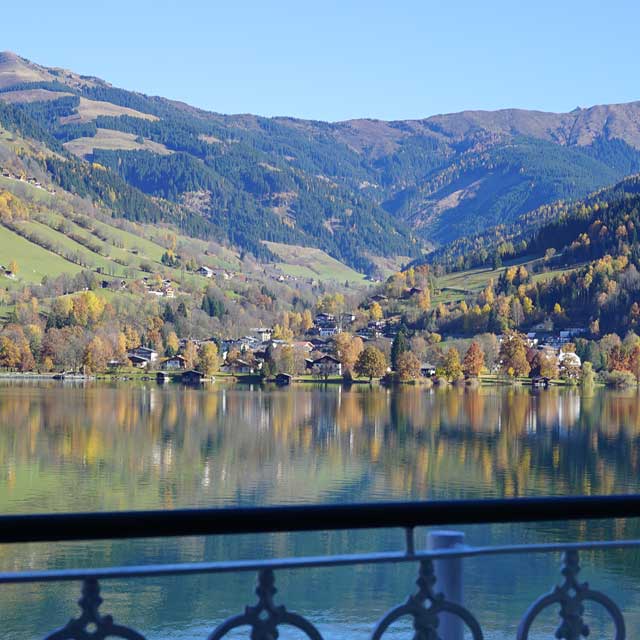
(100,447)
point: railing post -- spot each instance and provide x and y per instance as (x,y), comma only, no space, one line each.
(448,580)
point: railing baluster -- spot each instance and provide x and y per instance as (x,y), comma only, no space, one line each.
(265,617)
(570,596)
(90,624)
(426,619)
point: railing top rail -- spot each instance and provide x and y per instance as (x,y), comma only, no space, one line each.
(243,520)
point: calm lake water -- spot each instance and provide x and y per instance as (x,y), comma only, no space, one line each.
(108,447)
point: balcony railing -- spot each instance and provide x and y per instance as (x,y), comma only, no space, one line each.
(436,607)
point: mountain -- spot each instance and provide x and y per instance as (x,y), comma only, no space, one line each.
(360,190)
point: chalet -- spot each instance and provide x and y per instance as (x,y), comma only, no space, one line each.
(174,363)
(379,297)
(328,331)
(205,271)
(239,366)
(145,353)
(192,377)
(162,377)
(327,365)
(540,382)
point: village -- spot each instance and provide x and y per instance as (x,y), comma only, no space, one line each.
(321,354)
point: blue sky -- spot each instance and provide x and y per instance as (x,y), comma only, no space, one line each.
(333,60)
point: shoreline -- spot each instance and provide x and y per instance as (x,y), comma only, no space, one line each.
(225,378)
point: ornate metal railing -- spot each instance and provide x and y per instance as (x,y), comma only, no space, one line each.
(436,608)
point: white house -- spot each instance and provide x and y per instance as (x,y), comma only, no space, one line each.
(150,355)
(205,271)
(327,365)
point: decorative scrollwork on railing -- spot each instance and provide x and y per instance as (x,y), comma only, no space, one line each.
(426,619)
(265,617)
(90,625)
(570,596)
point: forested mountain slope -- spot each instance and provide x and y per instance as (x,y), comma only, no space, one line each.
(581,269)
(356,189)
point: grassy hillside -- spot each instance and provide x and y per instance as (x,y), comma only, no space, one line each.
(307,262)
(34,261)
(460,285)
(113,140)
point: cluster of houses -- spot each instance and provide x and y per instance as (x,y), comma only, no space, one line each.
(250,353)
(165,290)
(327,325)
(34,182)
(539,336)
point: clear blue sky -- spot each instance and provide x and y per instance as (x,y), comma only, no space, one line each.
(338,59)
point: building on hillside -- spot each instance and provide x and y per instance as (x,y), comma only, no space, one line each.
(174,363)
(205,271)
(326,365)
(325,318)
(263,333)
(328,331)
(303,345)
(150,355)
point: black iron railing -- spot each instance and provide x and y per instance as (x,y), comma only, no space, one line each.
(434,614)
(379,515)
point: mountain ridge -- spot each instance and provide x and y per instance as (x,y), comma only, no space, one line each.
(350,187)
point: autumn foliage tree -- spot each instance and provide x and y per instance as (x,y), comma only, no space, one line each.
(513,355)
(347,348)
(96,355)
(452,367)
(473,362)
(408,366)
(371,363)
(208,362)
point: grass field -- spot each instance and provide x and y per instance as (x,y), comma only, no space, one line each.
(308,262)
(34,261)
(456,286)
(111,140)
(68,245)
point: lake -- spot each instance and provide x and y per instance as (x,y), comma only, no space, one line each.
(115,447)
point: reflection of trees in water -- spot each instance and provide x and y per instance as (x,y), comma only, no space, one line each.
(104,447)
(136,447)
